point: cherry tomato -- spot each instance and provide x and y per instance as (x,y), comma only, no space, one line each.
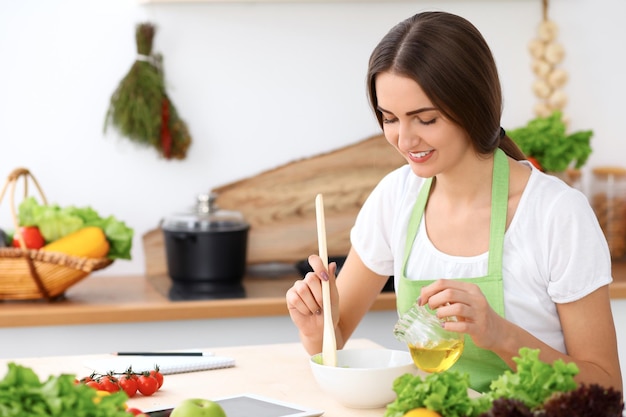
(135,411)
(109,384)
(32,238)
(147,385)
(158,375)
(129,384)
(93,384)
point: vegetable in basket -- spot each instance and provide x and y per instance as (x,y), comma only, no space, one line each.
(89,241)
(32,238)
(56,222)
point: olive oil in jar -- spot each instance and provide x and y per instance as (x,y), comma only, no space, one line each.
(438,358)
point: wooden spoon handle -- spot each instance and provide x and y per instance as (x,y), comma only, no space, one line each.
(329,343)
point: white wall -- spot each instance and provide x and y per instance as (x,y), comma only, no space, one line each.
(259,84)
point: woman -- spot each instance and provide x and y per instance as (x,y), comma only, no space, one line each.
(467,226)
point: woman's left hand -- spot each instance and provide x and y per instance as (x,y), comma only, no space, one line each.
(466,302)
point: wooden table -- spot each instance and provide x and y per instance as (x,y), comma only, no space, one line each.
(279,371)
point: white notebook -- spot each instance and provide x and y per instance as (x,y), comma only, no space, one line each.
(167,364)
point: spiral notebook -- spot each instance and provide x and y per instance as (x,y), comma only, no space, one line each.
(166,364)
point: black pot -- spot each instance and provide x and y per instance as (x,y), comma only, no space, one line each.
(218,256)
(206,252)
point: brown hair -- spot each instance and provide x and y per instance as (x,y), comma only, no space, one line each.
(451,61)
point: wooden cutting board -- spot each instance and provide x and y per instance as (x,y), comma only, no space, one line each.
(279,204)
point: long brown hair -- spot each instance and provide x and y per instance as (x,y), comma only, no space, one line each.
(451,61)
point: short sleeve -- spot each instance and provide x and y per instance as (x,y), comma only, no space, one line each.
(374,235)
(579,256)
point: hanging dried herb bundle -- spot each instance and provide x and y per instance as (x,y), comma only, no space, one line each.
(140,108)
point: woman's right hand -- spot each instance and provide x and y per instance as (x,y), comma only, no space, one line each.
(304,301)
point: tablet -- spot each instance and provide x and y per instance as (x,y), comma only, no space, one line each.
(246,405)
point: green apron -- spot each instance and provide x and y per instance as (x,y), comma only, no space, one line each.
(482,365)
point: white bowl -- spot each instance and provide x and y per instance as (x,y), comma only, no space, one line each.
(363,378)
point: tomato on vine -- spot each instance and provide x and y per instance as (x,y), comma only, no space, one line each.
(87,378)
(147,384)
(156,373)
(93,384)
(109,383)
(128,382)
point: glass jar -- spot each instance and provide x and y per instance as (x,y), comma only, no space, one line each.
(432,348)
(608,199)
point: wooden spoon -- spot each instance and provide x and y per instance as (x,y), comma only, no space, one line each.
(329,343)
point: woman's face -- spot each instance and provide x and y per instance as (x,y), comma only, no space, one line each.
(430,142)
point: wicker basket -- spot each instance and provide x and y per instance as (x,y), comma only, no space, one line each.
(27,274)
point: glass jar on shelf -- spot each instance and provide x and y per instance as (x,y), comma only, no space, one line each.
(608,199)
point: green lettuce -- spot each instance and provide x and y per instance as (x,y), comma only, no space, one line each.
(443,392)
(546,140)
(54,222)
(446,392)
(23,394)
(534,381)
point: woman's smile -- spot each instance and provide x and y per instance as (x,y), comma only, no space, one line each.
(420,157)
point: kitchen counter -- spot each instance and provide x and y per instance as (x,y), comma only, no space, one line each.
(278,371)
(126,299)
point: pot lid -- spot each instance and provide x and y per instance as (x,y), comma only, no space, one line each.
(206,216)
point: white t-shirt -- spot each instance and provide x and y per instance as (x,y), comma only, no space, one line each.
(554,249)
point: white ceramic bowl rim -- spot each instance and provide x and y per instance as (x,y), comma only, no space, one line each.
(368,359)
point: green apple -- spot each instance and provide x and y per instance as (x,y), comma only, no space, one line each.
(198,407)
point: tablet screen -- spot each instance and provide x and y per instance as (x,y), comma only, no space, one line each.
(253,405)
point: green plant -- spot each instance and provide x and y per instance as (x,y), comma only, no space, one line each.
(545,140)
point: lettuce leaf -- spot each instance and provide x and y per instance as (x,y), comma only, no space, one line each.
(446,392)
(534,381)
(546,140)
(443,392)
(54,222)
(23,394)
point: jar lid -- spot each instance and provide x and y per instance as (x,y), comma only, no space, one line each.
(206,216)
(609,170)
